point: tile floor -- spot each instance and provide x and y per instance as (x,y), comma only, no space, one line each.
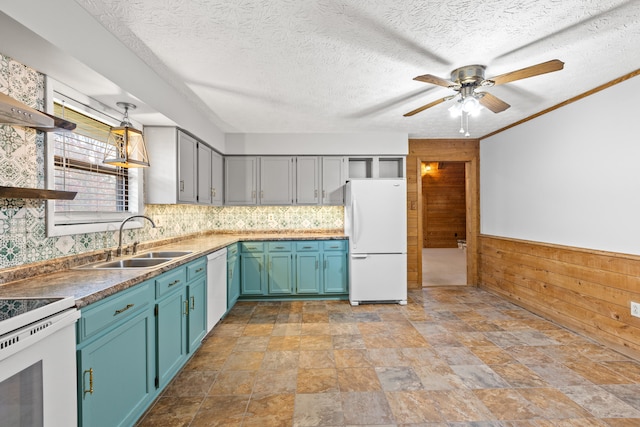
(454,356)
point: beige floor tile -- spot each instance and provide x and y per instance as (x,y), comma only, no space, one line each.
(325,363)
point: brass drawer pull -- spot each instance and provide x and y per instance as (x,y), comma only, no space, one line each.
(186,307)
(90,391)
(307,247)
(122,310)
(193,303)
(199,270)
(175,282)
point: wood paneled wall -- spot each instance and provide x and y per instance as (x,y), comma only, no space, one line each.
(443,205)
(586,291)
(443,150)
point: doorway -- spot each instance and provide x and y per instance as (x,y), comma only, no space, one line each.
(443,223)
(449,150)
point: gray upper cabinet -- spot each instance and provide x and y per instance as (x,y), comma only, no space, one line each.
(217,178)
(210,176)
(334,178)
(204,175)
(308,180)
(241,180)
(181,167)
(276,181)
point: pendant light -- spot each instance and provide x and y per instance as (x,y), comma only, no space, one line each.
(125,145)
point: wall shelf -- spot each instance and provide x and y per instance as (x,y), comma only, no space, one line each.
(35,193)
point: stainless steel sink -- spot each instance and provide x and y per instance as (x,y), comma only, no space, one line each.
(162,254)
(128,263)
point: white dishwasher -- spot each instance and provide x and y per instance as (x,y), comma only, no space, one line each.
(216,287)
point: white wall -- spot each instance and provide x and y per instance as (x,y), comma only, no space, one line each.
(318,143)
(569,177)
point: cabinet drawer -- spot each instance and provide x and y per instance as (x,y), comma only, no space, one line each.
(232,250)
(114,309)
(196,269)
(252,247)
(170,281)
(334,245)
(279,246)
(307,246)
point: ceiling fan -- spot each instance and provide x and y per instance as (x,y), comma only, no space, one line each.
(467,81)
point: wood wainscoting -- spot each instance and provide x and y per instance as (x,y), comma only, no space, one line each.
(584,290)
(441,150)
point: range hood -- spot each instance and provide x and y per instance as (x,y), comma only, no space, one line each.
(13,112)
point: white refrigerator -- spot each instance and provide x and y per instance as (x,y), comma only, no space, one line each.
(376,223)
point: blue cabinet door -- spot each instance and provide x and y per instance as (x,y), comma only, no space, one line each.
(171,323)
(233,281)
(253,274)
(335,274)
(197,319)
(116,375)
(308,273)
(280,273)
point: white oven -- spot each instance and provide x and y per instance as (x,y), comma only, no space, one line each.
(38,362)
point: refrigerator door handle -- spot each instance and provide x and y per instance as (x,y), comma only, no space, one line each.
(354,222)
(359,256)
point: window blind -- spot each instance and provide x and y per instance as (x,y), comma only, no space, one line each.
(78,167)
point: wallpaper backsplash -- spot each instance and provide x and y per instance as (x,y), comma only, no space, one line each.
(23,237)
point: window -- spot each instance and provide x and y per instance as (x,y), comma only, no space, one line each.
(106,194)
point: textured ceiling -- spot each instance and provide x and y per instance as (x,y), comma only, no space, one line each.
(342,66)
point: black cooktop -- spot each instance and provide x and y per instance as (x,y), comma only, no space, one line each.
(13,307)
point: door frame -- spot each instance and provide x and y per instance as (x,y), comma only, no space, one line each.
(444,150)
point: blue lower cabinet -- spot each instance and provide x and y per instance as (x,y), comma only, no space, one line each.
(171,320)
(233,275)
(294,269)
(131,344)
(334,273)
(196,312)
(253,274)
(280,274)
(308,273)
(116,364)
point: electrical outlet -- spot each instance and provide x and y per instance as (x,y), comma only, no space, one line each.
(271,217)
(635,309)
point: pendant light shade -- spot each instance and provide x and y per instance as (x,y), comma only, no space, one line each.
(125,146)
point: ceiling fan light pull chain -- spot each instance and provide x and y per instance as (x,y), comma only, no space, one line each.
(467,134)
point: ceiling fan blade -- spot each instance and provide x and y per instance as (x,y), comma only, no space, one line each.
(424,107)
(493,103)
(534,70)
(428,78)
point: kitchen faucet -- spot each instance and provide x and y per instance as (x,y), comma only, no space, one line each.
(119,250)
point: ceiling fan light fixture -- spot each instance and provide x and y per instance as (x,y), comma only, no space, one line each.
(456,109)
(470,105)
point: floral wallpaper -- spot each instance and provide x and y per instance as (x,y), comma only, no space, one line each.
(23,237)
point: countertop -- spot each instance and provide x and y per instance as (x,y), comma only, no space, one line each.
(88,286)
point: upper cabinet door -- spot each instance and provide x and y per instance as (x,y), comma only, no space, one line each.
(241,180)
(216,178)
(333,180)
(187,160)
(276,181)
(307,181)
(204,174)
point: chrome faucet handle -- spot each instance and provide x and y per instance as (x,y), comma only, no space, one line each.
(134,250)
(108,254)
